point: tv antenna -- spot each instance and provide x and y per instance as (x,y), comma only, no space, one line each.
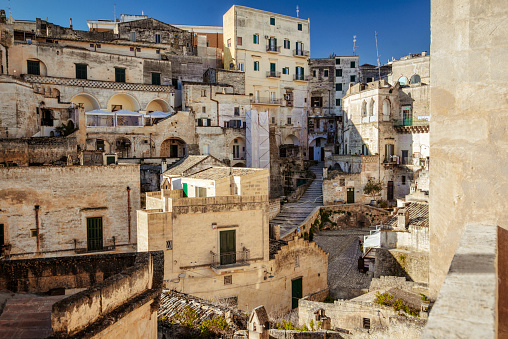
(354,45)
(377,52)
(114,12)
(10,13)
(297,11)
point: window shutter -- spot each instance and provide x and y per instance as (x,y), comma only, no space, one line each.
(208,122)
(200,122)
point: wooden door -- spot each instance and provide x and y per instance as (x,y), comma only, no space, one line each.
(350,195)
(227,247)
(296,292)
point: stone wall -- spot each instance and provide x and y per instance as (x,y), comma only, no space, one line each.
(394,262)
(388,282)
(283,334)
(58,200)
(274,208)
(44,150)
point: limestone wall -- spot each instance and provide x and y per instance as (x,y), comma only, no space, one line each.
(66,197)
(25,151)
(274,208)
(394,262)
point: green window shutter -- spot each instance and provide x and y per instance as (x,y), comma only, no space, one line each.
(227,247)
(184,186)
(275,42)
(208,122)
(299,27)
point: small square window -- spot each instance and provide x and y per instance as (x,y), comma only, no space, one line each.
(156,78)
(239,40)
(338,72)
(158,51)
(337,102)
(138,49)
(273,120)
(169,244)
(289,120)
(272,21)
(314,73)
(338,87)
(285,70)
(91,45)
(337,61)
(132,49)
(119,74)
(33,232)
(299,27)
(98,45)
(353,64)
(203,109)
(237,111)
(287,44)
(81,71)
(228,279)
(325,73)
(353,78)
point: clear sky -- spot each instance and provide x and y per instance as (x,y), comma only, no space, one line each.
(403,26)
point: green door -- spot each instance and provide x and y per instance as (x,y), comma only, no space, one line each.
(184,185)
(94,233)
(272,69)
(350,195)
(227,247)
(296,292)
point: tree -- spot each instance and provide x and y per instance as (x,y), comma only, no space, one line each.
(373,188)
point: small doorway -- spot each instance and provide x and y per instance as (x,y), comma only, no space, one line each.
(389,194)
(296,292)
(173,151)
(350,195)
(311,153)
(94,234)
(227,247)
(322,154)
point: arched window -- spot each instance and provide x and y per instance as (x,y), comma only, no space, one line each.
(415,79)
(403,81)
(386,108)
(371,108)
(364,109)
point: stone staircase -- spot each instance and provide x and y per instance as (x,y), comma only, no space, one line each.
(293,214)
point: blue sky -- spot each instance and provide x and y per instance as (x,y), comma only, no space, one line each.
(403,26)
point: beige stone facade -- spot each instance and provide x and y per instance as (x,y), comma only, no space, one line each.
(47,211)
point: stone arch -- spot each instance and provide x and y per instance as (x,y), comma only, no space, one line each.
(88,101)
(173,148)
(292,139)
(317,149)
(158,105)
(403,81)
(237,148)
(123,147)
(364,108)
(43,70)
(123,101)
(415,79)
(387,107)
(371,107)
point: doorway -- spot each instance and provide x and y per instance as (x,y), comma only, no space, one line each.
(350,195)
(296,292)
(389,193)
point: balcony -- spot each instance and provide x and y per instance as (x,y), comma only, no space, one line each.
(265,101)
(273,74)
(301,53)
(301,77)
(272,49)
(229,260)
(411,125)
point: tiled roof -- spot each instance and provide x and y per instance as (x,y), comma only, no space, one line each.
(214,173)
(418,215)
(185,164)
(174,304)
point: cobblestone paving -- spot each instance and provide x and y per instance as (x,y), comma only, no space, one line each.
(343,247)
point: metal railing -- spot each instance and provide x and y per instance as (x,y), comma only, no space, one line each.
(265,100)
(301,77)
(272,74)
(271,48)
(301,53)
(410,122)
(230,258)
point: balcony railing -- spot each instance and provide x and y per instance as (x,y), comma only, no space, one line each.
(273,49)
(301,77)
(265,101)
(230,258)
(301,53)
(410,122)
(272,74)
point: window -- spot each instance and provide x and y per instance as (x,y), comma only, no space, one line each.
(287,44)
(325,73)
(94,233)
(272,21)
(157,38)
(33,67)
(80,71)
(416,79)
(299,73)
(338,87)
(314,73)
(403,81)
(236,151)
(169,244)
(138,49)
(273,120)
(299,27)
(256,65)
(338,72)
(289,120)
(99,145)
(352,78)
(316,102)
(403,180)
(119,74)
(156,78)
(240,66)
(239,40)
(132,49)
(203,109)
(364,109)
(158,51)
(389,150)
(133,36)
(337,102)
(353,64)
(256,38)
(228,279)
(285,70)
(369,79)
(229,43)
(337,61)
(366,323)
(299,48)
(297,261)
(342,182)
(237,111)
(98,45)
(33,232)
(91,45)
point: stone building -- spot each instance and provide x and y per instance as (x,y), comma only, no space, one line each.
(99,296)
(67,210)
(370,73)
(232,259)
(347,73)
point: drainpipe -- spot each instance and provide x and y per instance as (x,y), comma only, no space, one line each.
(37,225)
(129,211)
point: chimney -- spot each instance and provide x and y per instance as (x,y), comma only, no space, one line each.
(402,218)
(424,53)
(70,26)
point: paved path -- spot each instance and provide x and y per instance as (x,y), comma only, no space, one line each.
(344,250)
(293,214)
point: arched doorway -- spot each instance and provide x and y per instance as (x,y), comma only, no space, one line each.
(35,66)
(88,102)
(158,105)
(292,140)
(123,147)
(173,148)
(317,149)
(123,101)
(237,147)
